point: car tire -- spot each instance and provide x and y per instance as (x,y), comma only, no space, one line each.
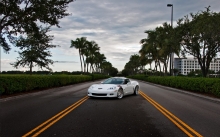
(120,94)
(136,89)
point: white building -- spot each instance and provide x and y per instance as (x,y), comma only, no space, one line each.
(186,65)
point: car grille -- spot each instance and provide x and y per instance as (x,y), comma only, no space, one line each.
(99,94)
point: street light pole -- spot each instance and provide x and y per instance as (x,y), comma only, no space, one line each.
(171,54)
(0,60)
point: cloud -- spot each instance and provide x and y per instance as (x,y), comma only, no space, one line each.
(116,25)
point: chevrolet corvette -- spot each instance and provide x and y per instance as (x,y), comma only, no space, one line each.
(114,87)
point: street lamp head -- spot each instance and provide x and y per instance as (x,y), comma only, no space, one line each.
(169,5)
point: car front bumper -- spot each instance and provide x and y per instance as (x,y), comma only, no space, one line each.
(102,93)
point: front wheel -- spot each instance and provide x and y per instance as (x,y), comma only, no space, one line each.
(136,90)
(120,94)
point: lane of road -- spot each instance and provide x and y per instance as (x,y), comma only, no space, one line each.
(18,115)
(179,123)
(41,128)
(199,112)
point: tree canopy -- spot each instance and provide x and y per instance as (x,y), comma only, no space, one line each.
(25,16)
(200,37)
(35,50)
(158,46)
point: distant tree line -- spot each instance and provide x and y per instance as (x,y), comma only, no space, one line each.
(90,57)
(113,73)
(25,72)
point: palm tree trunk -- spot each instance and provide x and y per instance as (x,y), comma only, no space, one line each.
(159,66)
(87,67)
(92,68)
(80,60)
(155,68)
(165,67)
(84,63)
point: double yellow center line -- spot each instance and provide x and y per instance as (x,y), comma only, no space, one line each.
(184,127)
(41,128)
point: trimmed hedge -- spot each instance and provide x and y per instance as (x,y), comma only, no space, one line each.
(10,84)
(204,85)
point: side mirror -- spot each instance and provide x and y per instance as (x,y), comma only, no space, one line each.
(101,82)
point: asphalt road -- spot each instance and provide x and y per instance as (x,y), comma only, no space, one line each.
(67,112)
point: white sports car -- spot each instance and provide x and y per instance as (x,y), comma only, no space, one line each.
(114,87)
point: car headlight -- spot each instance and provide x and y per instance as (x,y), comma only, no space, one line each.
(91,87)
(111,88)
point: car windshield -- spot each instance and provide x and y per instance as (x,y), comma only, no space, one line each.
(113,81)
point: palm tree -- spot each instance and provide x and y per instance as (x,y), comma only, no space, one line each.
(129,68)
(99,59)
(165,43)
(102,59)
(93,50)
(150,48)
(85,53)
(158,45)
(154,47)
(132,66)
(79,43)
(145,53)
(135,62)
(106,66)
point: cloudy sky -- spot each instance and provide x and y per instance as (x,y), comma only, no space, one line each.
(116,25)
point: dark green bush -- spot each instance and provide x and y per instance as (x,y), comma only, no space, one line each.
(199,84)
(10,84)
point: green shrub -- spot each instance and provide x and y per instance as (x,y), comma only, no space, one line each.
(10,84)
(196,84)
